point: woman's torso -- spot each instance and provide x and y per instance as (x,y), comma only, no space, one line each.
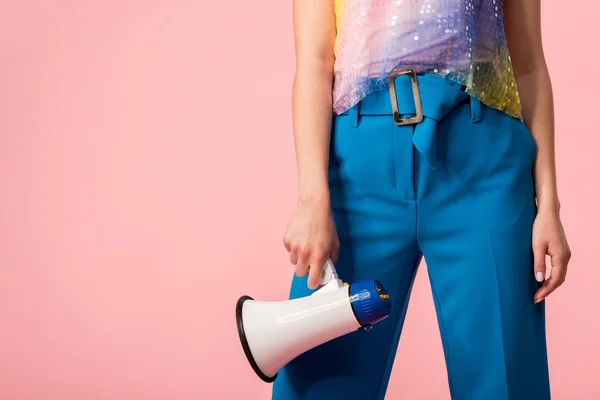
(462,40)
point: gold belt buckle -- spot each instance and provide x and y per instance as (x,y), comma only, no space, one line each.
(416,96)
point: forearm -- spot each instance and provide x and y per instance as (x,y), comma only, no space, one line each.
(524,35)
(311,113)
(535,90)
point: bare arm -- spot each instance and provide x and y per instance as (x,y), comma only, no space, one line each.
(314,35)
(310,235)
(524,35)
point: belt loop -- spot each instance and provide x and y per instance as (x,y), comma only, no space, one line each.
(353,113)
(475,109)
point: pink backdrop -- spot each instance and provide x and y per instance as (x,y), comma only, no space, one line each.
(147,174)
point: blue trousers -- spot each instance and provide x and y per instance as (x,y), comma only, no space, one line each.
(456,189)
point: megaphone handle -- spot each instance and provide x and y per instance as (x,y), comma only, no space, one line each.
(328,273)
(329,279)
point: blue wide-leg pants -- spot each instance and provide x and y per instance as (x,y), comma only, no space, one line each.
(456,189)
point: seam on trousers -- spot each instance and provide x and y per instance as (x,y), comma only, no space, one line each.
(398,329)
(499,300)
(489,240)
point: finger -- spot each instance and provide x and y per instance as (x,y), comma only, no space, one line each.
(557,277)
(315,271)
(314,277)
(539,261)
(548,287)
(301,265)
(293,258)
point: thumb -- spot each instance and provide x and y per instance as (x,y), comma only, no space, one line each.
(335,254)
(539,262)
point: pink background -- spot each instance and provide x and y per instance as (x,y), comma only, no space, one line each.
(147,173)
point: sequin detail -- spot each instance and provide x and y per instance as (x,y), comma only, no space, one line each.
(461,40)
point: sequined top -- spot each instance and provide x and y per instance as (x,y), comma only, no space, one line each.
(461,40)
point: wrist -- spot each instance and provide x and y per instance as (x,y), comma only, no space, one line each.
(548,205)
(314,197)
(547,193)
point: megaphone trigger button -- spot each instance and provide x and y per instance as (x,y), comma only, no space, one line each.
(366,327)
(345,283)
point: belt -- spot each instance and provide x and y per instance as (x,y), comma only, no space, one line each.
(419,100)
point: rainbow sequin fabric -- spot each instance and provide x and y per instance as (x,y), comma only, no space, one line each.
(462,40)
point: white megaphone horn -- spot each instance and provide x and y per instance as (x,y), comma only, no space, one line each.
(274,333)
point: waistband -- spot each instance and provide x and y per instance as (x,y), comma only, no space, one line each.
(438,95)
(428,95)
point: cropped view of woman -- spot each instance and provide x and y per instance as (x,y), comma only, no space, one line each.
(425,129)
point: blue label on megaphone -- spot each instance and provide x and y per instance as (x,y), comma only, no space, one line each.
(370,302)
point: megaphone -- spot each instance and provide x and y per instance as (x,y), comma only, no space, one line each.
(274,333)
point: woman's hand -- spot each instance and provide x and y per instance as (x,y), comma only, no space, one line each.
(523,28)
(310,236)
(548,237)
(311,239)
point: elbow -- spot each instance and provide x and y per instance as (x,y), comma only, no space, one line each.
(529,65)
(316,66)
(534,70)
